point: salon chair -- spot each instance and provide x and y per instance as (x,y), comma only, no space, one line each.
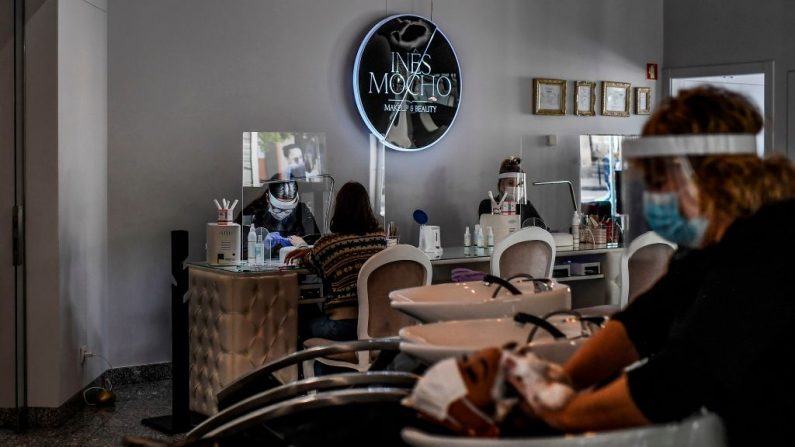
(266,377)
(530,250)
(394,268)
(356,416)
(643,263)
(378,379)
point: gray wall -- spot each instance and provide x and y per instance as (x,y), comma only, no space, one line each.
(186,78)
(713,32)
(66,195)
(82,188)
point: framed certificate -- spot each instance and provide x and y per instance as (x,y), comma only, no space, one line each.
(584,98)
(549,96)
(615,98)
(642,100)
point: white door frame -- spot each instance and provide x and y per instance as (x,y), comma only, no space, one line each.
(765,67)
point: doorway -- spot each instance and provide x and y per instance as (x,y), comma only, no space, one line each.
(754,80)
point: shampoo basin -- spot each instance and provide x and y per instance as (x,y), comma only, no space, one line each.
(702,430)
(473,299)
(437,341)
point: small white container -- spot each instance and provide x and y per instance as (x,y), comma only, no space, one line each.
(223,243)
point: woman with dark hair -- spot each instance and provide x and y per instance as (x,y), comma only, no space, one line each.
(338,257)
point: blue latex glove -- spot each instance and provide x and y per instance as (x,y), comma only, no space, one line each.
(275,239)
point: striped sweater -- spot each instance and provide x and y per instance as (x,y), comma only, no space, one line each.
(338,259)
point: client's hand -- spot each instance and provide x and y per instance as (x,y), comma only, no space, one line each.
(295,255)
(297,241)
(544,385)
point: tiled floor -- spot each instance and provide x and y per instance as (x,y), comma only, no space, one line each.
(93,427)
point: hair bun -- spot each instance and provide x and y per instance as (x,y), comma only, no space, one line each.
(511,164)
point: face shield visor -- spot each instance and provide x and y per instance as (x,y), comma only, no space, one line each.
(513,187)
(283,198)
(660,191)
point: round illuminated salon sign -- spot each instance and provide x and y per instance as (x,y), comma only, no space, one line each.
(407,82)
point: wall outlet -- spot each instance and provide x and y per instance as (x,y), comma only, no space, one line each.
(84,354)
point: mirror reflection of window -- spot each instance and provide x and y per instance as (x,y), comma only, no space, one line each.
(600,165)
(282,155)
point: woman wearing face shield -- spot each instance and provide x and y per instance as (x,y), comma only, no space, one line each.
(715,331)
(511,198)
(282,213)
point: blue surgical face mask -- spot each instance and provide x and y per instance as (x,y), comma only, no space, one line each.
(662,214)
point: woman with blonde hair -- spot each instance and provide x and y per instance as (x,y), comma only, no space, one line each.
(715,331)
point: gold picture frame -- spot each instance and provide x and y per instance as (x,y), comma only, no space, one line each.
(615,98)
(549,96)
(642,100)
(585,98)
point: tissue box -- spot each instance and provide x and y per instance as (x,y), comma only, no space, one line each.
(585,268)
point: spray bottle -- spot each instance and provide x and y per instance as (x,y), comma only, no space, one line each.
(260,250)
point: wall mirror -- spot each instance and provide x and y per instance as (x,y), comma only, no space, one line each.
(600,173)
(591,162)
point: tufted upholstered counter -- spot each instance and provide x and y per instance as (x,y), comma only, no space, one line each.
(238,322)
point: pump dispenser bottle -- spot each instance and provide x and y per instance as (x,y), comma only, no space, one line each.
(575,230)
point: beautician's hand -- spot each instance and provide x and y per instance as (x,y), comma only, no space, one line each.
(274,239)
(295,255)
(297,241)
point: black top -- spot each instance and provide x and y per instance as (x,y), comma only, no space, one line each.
(526,211)
(717,332)
(299,223)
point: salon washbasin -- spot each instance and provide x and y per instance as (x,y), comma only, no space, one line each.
(473,299)
(436,341)
(701,430)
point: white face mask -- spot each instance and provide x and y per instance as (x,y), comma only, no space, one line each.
(279,209)
(441,386)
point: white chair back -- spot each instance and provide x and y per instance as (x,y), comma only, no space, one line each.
(530,250)
(397,267)
(643,263)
